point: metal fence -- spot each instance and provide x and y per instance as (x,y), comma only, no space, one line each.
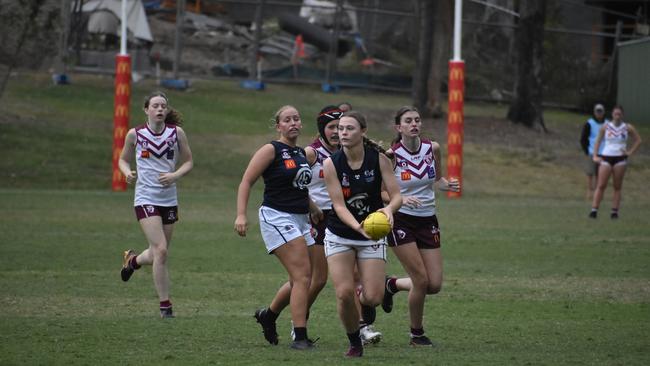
(373,44)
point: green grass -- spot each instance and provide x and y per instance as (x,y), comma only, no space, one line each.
(523,285)
(528,278)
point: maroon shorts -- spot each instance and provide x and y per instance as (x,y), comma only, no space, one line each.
(169,215)
(424,231)
(320,228)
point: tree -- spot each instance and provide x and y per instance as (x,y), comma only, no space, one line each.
(526,106)
(28,34)
(440,54)
(423,60)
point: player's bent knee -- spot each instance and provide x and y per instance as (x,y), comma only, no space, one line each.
(303,280)
(434,288)
(372,298)
(160,252)
(420,282)
(345,293)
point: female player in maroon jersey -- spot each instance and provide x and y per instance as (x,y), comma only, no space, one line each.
(157,147)
(415,237)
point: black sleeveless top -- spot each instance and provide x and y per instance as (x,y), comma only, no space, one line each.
(361,191)
(286,180)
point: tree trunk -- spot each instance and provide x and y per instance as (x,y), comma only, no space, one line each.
(423,60)
(441,53)
(526,106)
(34,8)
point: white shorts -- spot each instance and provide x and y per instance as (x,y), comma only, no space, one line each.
(365,249)
(278,227)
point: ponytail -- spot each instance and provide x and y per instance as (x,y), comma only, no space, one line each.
(374,145)
(174,117)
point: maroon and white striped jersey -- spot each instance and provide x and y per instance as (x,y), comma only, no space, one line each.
(615,139)
(155,154)
(416,173)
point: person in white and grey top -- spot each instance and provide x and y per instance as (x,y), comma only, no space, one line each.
(612,159)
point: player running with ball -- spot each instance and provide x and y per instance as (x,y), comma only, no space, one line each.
(354,177)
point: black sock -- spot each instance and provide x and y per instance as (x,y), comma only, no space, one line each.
(270,315)
(355,339)
(300,332)
(417,332)
(368,314)
(391,285)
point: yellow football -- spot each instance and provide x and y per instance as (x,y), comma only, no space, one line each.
(376,225)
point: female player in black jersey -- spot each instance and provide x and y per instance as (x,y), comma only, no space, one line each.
(320,149)
(354,177)
(284,219)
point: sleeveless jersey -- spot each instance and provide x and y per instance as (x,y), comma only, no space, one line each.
(416,173)
(615,139)
(594,128)
(361,191)
(317,188)
(155,154)
(286,180)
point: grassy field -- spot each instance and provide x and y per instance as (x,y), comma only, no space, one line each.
(528,278)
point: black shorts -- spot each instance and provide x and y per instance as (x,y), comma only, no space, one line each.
(613,160)
(320,228)
(424,231)
(169,215)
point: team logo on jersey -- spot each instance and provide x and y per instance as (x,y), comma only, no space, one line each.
(401,234)
(290,164)
(303,177)
(347,192)
(345,181)
(170,142)
(369,175)
(432,172)
(144,143)
(406,175)
(358,203)
(285,154)
(428,159)
(401,163)
(144,154)
(375,247)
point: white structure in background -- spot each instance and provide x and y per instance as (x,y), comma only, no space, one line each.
(106,14)
(322,13)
